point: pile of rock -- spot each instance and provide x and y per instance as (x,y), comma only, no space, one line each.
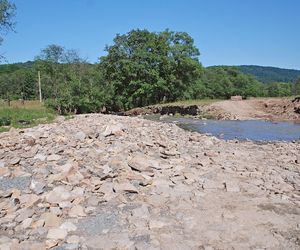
(283,109)
(108,182)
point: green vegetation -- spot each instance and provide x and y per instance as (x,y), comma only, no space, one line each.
(141,68)
(144,68)
(22,116)
(224,82)
(271,82)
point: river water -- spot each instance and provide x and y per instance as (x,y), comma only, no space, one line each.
(257,130)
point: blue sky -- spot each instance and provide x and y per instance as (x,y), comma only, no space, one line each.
(227,32)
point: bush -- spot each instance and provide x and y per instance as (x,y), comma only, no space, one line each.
(5,121)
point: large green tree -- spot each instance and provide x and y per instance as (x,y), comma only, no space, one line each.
(69,83)
(7,13)
(145,67)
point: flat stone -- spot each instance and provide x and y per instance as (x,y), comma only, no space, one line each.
(107,189)
(232,187)
(155,224)
(57,234)
(75,178)
(24,214)
(140,163)
(38,223)
(77,211)
(29,200)
(40,157)
(4,171)
(71,246)
(141,212)
(80,136)
(4,239)
(26,223)
(172,152)
(113,129)
(53,157)
(69,226)
(78,191)
(51,243)
(56,210)
(29,244)
(211,184)
(73,239)
(51,220)
(37,186)
(65,204)
(15,161)
(58,194)
(110,241)
(125,187)
(66,167)
(95,225)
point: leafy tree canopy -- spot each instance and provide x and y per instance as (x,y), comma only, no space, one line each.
(148,67)
(7,13)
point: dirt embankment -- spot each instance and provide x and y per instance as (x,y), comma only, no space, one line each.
(265,108)
(109,182)
(276,109)
(192,110)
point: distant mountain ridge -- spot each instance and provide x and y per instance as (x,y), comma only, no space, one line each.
(267,74)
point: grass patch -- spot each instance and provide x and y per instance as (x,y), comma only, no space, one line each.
(30,114)
(4,129)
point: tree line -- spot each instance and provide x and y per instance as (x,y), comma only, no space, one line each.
(141,68)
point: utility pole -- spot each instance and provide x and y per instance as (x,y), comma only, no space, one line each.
(40,89)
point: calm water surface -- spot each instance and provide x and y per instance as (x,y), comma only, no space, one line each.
(257,130)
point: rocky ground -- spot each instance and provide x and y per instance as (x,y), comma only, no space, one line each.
(108,182)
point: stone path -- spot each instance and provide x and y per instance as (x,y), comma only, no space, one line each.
(108,182)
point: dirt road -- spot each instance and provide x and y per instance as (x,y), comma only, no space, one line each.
(262,108)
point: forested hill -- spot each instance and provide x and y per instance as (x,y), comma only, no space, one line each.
(270,74)
(9,68)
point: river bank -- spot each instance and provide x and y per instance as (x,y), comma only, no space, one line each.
(272,109)
(102,181)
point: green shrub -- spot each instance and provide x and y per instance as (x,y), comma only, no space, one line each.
(5,121)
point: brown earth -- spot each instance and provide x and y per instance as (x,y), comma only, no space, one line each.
(262,108)
(109,182)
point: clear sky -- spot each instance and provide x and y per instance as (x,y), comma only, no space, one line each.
(227,32)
